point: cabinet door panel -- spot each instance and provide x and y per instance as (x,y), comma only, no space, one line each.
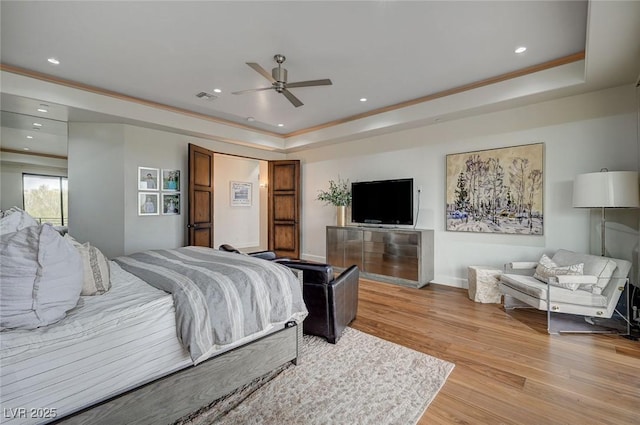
(392,249)
(401,238)
(335,247)
(391,265)
(344,247)
(352,247)
(353,254)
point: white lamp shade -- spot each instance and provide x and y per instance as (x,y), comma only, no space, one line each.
(608,189)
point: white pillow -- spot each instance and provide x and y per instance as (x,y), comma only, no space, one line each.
(594,265)
(40,277)
(15,219)
(575,282)
(96,268)
(548,268)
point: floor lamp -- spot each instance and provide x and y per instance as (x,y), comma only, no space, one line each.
(606,189)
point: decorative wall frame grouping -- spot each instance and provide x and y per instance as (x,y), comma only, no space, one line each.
(496,190)
(148,178)
(159,191)
(171,180)
(147,203)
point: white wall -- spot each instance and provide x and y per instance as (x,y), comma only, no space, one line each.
(103,194)
(581,134)
(97,185)
(155,149)
(235,225)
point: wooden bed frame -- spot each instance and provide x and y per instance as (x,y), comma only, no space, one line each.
(167,399)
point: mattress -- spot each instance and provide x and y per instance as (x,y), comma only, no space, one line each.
(106,345)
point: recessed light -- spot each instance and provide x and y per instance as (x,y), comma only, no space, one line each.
(42,110)
(217,91)
(29,137)
(37,124)
(26,149)
(280,125)
(521,49)
(251,119)
(54,61)
(363,99)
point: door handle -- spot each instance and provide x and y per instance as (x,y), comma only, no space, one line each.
(191,225)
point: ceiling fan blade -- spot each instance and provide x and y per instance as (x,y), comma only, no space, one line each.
(251,90)
(294,100)
(310,83)
(266,74)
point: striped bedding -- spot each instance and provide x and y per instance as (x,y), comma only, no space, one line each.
(108,344)
(220,297)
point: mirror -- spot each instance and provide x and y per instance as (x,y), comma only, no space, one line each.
(34,140)
(240,202)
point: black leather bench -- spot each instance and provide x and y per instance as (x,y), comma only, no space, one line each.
(332,301)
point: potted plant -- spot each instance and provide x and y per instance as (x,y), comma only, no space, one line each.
(338,195)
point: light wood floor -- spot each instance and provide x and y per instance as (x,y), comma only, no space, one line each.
(508,369)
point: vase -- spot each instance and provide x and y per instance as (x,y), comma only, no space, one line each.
(341,215)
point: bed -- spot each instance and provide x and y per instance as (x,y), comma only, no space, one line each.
(130,356)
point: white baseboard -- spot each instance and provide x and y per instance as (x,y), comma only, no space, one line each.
(455,282)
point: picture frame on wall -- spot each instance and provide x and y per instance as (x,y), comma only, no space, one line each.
(170,204)
(170,180)
(148,178)
(496,190)
(241,194)
(148,203)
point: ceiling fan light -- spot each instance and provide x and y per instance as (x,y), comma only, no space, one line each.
(279,74)
(278,79)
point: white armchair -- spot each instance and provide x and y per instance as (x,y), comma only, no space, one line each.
(567,286)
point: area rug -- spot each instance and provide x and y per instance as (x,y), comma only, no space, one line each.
(361,380)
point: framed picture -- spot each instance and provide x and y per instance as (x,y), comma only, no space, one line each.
(148,178)
(170,203)
(171,180)
(496,190)
(240,194)
(148,203)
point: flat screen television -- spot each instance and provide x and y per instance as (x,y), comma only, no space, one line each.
(382,202)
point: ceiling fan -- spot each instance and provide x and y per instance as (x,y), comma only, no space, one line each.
(278,78)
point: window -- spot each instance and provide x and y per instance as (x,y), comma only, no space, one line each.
(46,198)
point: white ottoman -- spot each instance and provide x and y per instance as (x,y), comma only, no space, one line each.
(483,284)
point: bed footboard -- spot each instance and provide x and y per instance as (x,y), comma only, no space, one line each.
(169,398)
